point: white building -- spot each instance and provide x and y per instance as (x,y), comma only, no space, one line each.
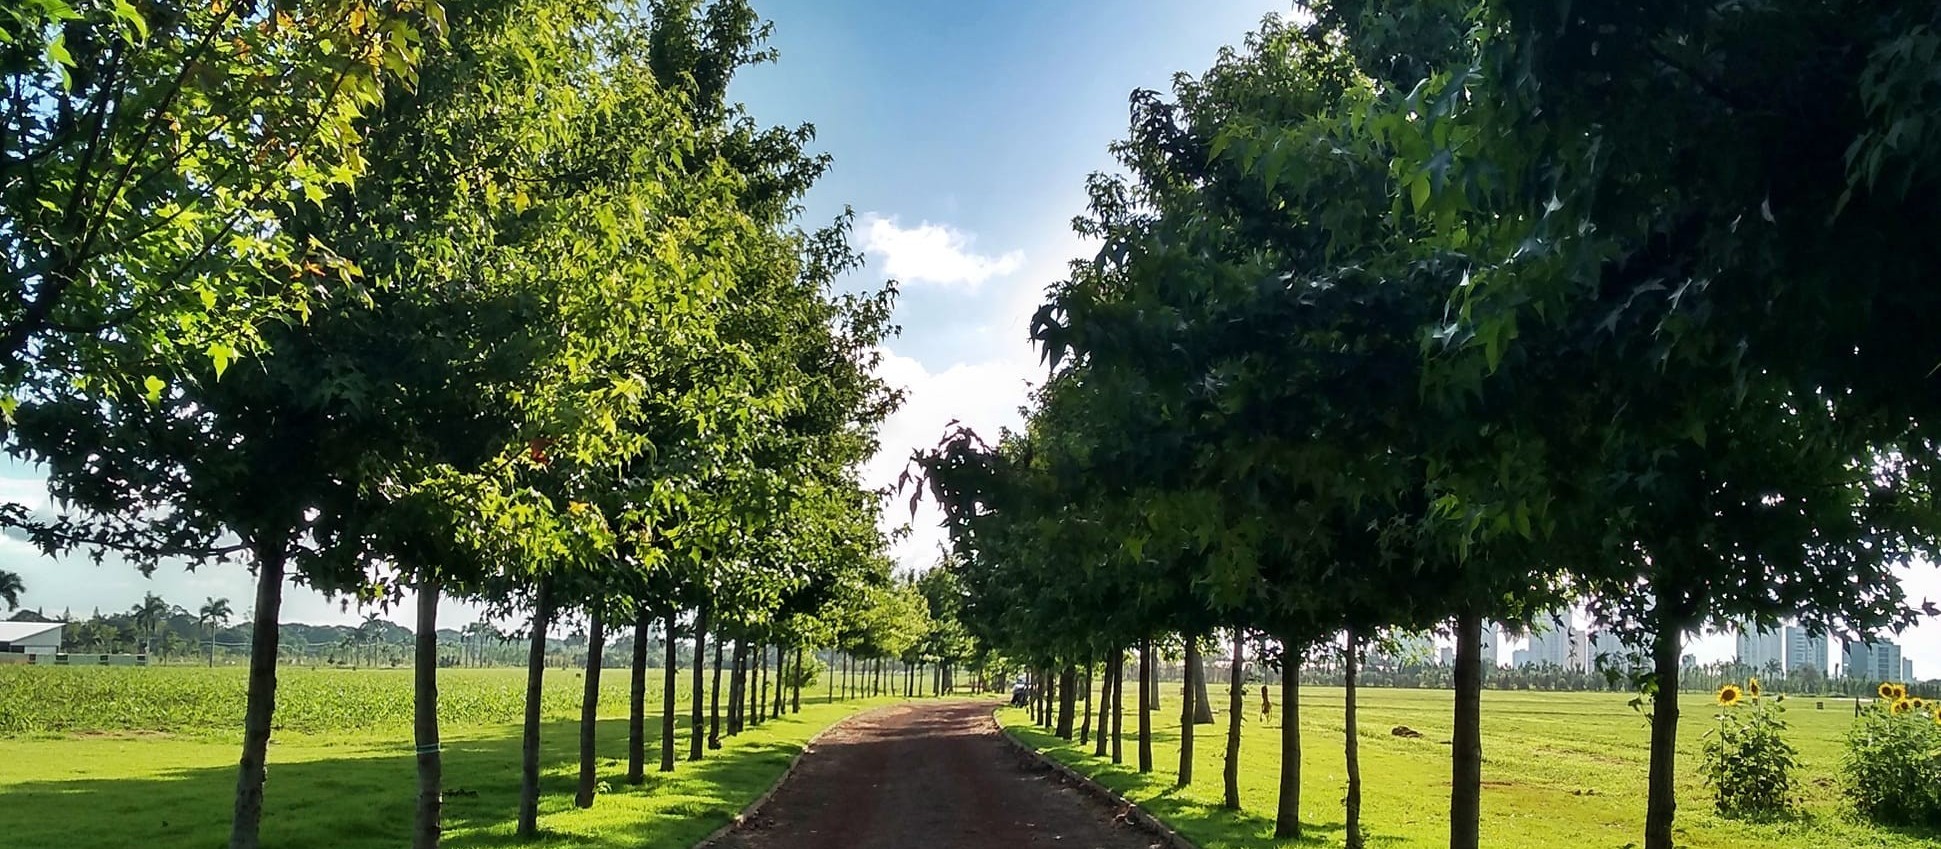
(1761,650)
(1550,640)
(1873,661)
(30,637)
(1448,656)
(1804,649)
(1490,660)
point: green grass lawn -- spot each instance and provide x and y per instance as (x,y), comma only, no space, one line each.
(1559,769)
(353,785)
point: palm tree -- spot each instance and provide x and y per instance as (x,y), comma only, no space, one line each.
(214,615)
(11,589)
(150,616)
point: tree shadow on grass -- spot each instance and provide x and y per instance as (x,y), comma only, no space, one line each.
(363,795)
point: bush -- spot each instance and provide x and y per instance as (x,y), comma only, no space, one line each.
(1892,767)
(1748,763)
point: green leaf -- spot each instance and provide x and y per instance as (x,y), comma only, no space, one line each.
(57,50)
(220,354)
(155,386)
(1419,190)
(126,11)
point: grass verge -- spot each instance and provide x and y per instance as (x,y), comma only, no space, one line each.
(354,790)
(1560,769)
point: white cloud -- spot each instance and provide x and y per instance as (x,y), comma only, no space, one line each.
(933,253)
(983,393)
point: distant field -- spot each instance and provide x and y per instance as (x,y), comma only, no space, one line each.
(196,700)
(105,757)
(1559,770)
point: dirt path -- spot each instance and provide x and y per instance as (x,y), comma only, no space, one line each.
(928,776)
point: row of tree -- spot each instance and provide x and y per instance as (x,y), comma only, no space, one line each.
(502,301)
(1420,314)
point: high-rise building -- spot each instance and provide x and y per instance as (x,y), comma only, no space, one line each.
(1761,650)
(1600,649)
(1804,649)
(1448,656)
(1490,660)
(1872,661)
(1550,640)
(1907,669)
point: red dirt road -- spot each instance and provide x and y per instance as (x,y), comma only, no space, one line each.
(928,776)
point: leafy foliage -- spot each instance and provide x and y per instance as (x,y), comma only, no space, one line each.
(1746,759)
(1892,763)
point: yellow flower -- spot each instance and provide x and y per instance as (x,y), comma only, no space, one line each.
(1902,706)
(1886,691)
(1917,704)
(1937,717)
(1752,687)
(1729,695)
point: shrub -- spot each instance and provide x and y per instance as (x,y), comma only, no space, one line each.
(1892,767)
(1748,763)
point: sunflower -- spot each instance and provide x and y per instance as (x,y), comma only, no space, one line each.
(1752,687)
(1901,706)
(1917,704)
(1886,691)
(1937,717)
(1729,695)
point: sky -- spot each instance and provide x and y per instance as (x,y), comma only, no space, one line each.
(962,134)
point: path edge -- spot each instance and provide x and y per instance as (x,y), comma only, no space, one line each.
(752,808)
(1138,815)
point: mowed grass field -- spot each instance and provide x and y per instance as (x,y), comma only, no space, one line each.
(1559,770)
(107,757)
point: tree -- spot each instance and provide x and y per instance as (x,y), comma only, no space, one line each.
(213,616)
(146,151)
(11,589)
(150,617)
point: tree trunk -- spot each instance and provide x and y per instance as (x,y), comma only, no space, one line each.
(1145,705)
(1118,705)
(1466,740)
(260,704)
(714,700)
(781,682)
(1353,745)
(1152,674)
(757,683)
(668,737)
(1661,801)
(1202,702)
(637,702)
(696,731)
(1287,815)
(1101,744)
(737,686)
(1045,694)
(1187,713)
(535,681)
(795,697)
(1067,700)
(596,644)
(424,719)
(762,713)
(1085,726)
(1236,705)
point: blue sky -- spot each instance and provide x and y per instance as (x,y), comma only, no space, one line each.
(962,133)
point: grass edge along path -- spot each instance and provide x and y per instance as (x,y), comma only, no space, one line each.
(356,791)
(1560,769)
